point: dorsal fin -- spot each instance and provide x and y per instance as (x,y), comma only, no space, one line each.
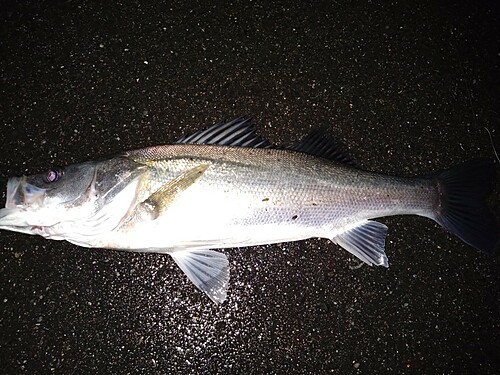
(238,132)
(319,143)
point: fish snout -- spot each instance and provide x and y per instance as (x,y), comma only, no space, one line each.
(22,194)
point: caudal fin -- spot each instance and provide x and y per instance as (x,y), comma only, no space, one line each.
(462,209)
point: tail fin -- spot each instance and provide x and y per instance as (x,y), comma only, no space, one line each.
(462,209)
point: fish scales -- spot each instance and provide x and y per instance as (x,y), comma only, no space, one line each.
(278,185)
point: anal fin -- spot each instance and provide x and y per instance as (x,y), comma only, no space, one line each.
(365,240)
(207,269)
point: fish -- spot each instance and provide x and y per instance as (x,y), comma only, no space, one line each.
(225,187)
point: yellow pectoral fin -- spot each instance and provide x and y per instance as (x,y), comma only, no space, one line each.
(161,199)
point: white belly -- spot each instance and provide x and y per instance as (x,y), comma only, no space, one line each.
(204,218)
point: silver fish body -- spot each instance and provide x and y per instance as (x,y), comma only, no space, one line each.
(249,196)
(225,187)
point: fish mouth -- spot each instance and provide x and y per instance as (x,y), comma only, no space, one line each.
(22,194)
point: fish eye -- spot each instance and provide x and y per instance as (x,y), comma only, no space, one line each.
(53,175)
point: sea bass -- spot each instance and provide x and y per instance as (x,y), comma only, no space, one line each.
(227,187)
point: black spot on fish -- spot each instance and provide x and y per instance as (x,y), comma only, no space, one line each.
(265,199)
(294,217)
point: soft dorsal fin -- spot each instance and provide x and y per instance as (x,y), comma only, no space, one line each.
(238,132)
(319,143)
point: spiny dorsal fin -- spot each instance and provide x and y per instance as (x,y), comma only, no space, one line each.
(318,143)
(238,132)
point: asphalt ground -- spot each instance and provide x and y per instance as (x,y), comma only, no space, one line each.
(410,87)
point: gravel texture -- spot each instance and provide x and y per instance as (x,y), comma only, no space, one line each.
(409,86)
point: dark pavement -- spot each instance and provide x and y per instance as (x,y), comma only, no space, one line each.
(409,86)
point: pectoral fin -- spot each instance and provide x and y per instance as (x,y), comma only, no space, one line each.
(159,201)
(366,240)
(207,269)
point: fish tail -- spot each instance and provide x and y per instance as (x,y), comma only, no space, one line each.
(462,210)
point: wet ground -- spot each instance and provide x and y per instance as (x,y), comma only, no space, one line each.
(409,87)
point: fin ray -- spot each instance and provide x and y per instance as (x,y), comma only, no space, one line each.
(239,132)
(462,210)
(365,240)
(207,269)
(159,201)
(319,143)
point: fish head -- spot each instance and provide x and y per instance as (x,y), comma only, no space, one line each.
(44,199)
(73,203)
(56,189)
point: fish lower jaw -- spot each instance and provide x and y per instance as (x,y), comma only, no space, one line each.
(41,231)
